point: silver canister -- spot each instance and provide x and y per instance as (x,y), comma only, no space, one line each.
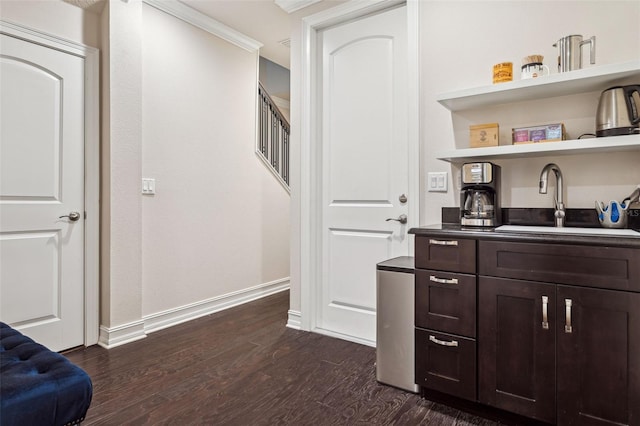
(570,52)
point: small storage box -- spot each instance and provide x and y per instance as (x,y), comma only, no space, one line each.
(484,135)
(546,133)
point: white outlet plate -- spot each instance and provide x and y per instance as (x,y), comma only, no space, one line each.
(437,181)
(148,186)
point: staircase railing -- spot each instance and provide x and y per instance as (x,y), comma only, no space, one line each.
(273,137)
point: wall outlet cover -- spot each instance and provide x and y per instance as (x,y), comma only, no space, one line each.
(148,186)
(437,181)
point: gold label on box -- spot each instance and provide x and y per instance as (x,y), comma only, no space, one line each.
(503,72)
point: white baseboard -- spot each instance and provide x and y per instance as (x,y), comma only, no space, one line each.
(175,316)
(110,337)
(127,333)
(295,320)
(346,337)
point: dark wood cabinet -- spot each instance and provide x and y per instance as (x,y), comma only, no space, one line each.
(587,266)
(446,363)
(544,329)
(446,254)
(554,352)
(446,301)
(445,316)
(598,346)
(516,347)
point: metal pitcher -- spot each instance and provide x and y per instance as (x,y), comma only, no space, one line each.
(570,52)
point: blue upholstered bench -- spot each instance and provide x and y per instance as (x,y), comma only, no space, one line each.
(38,386)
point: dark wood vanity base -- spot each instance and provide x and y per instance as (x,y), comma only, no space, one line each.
(478,409)
(542,327)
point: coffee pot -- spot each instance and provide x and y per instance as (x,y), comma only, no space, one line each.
(479,204)
(570,52)
(479,195)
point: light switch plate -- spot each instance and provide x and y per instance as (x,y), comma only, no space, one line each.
(148,186)
(437,181)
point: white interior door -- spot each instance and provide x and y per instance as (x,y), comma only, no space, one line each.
(364,166)
(41,179)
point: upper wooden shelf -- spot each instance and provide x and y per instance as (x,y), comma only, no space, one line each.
(629,143)
(560,84)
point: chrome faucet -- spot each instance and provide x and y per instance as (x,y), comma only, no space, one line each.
(559,214)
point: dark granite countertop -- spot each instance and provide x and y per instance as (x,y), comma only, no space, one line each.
(582,218)
(457,231)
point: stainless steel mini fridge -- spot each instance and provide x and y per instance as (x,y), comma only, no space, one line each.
(395,355)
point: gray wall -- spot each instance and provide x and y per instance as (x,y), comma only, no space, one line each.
(274,78)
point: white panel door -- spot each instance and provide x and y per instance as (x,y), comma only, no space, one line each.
(41,179)
(364,166)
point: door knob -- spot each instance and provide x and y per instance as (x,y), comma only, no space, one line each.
(73,216)
(402,219)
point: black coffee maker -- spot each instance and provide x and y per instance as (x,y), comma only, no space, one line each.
(480,195)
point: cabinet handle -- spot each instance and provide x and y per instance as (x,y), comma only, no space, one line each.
(567,313)
(443,242)
(453,343)
(443,280)
(545,308)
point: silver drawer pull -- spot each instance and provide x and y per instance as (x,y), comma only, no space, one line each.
(443,280)
(567,319)
(453,343)
(545,307)
(444,242)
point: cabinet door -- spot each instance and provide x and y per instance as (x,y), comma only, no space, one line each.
(516,346)
(586,266)
(598,357)
(446,363)
(446,254)
(445,301)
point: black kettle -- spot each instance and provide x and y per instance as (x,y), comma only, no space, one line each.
(618,111)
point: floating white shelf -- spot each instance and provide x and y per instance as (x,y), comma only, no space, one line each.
(560,84)
(630,143)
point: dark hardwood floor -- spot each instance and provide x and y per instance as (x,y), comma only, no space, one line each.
(242,366)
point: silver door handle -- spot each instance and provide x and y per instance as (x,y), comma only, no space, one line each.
(567,319)
(443,280)
(545,307)
(73,216)
(402,219)
(444,243)
(453,343)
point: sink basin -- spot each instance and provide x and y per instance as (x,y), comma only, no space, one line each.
(575,231)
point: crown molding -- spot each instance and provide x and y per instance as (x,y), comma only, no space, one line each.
(206,23)
(291,6)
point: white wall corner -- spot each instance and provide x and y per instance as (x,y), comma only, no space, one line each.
(110,337)
(206,23)
(294,319)
(291,6)
(175,316)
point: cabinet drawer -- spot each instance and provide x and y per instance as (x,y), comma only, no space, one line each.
(446,363)
(446,301)
(604,267)
(446,254)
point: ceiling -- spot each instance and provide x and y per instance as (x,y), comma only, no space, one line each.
(262,20)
